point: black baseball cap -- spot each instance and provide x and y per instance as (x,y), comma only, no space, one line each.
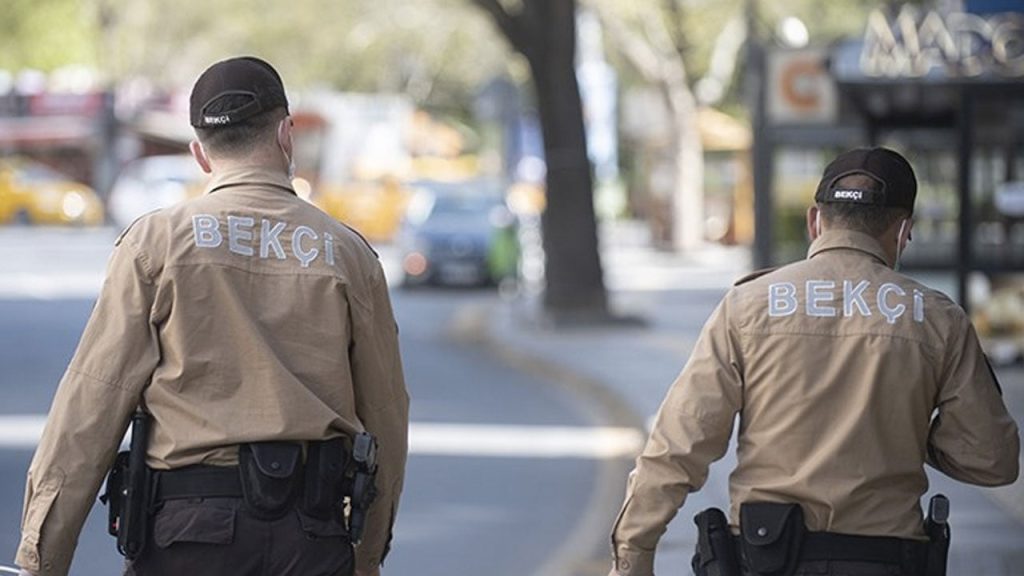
(897,185)
(247,76)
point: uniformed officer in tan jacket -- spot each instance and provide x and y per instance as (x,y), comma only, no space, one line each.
(244,316)
(847,377)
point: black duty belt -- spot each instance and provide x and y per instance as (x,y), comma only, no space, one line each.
(825,546)
(851,548)
(197,482)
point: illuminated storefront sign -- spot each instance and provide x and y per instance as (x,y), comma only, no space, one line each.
(957,45)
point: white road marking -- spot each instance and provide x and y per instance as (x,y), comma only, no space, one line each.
(50,286)
(22,431)
(520,441)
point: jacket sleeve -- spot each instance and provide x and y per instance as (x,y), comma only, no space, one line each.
(972,438)
(382,405)
(691,430)
(115,358)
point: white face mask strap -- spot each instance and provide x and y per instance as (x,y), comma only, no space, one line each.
(817,222)
(899,243)
(289,158)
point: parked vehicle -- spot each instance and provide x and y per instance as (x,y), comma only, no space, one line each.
(33,193)
(153,182)
(458,234)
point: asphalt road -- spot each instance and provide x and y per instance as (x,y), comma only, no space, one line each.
(483,495)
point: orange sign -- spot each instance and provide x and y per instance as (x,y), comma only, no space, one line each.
(800,88)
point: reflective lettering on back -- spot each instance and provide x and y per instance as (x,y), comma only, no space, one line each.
(818,293)
(820,297)
(304,256)
(853,297)
(243,236)
(329,248)
(782,299)
(891,312)
(240,234)
(270,238)
(205,231)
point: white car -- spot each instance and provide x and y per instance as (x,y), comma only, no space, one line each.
(153,182)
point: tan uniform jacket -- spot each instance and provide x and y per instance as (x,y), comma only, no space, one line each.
(836,366)
(244,315)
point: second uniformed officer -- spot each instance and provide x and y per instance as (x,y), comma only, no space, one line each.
(847,378)
(257,333)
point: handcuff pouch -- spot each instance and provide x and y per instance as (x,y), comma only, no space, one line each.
(271,477)
(771,535)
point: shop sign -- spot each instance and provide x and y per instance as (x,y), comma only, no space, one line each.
(801,90)
(954,45)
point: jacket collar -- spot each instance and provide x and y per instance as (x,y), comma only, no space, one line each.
(249,176)
(848,240)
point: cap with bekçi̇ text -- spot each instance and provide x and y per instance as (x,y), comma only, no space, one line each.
(254,80)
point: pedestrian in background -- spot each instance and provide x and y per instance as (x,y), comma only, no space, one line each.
(257,333)
(848,378)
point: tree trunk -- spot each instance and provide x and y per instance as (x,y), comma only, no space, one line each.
(575,283)
(688,197)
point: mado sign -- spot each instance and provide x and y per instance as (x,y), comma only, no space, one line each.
(955,45)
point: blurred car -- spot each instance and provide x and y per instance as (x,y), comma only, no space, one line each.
(33,193)
(458,234)
(153,182)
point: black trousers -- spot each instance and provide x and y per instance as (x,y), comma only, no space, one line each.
(218,537)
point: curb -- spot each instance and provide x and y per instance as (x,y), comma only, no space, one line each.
(586,551)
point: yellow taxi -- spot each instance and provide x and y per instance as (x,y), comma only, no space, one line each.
(33,193)
(375,208)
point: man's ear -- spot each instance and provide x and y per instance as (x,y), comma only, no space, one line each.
(284,135)
(199,153)
(813,222)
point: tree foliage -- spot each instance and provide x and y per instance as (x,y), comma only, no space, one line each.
(45,34)
(695,26)
(437,51)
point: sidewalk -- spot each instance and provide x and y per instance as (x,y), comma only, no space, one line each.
(636,365)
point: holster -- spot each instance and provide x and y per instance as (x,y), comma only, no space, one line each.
(716,548)
(937,527)
(113,496)
(128,492)
(771,535)
(271,477)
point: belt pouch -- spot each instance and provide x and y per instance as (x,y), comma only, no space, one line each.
(325,471)
(716,549)
(771,535)
(270,477)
